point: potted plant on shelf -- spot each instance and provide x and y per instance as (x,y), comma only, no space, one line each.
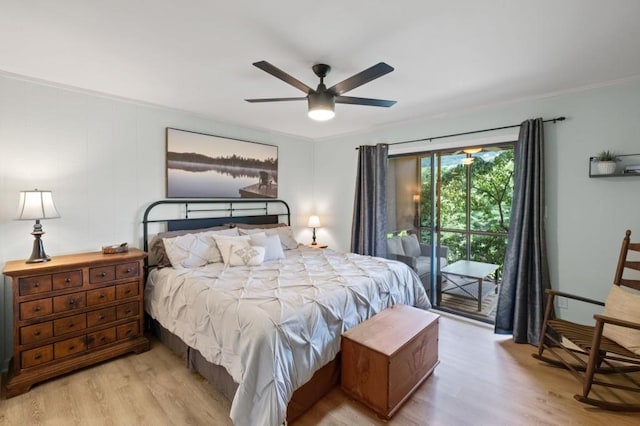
(606,162)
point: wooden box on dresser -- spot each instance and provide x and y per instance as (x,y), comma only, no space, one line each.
(72,312)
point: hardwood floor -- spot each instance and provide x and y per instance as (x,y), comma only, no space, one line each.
(482,379)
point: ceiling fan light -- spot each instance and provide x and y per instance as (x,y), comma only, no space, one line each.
(321,106)
(472,150)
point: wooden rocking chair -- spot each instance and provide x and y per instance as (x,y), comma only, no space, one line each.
(603,356)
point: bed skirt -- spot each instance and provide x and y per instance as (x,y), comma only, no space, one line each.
(303,398)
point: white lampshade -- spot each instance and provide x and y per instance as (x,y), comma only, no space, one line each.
(314,222)
(35,205)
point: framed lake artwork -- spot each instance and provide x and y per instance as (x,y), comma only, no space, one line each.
(208,166)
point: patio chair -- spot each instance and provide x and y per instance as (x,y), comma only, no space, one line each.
(602,356)
(409,250)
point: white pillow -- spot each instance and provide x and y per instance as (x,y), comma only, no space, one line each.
(193,250)
(271,244)
(246,255)
(285,233)
(215,255)
(623,305)
(225,242)
(190,250)
(411,246)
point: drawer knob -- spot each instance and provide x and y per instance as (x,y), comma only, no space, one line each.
(71,325)
(72,347)
(37,333)
(128,271)
(72,302)
(103,274)
(37,308)
(101,317)
(36,284)
(101,296)
(102,339)
(67,280)
(128,311)
(127,291)
(128,332)
(37,356)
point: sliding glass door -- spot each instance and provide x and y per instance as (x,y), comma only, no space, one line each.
(457,203)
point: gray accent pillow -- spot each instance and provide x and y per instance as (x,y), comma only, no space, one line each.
(394,245)
(411,246)
(271,244)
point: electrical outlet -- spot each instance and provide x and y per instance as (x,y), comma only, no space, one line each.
(563,303)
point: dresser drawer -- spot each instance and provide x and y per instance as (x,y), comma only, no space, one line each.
(102,274)
(103,316)
(127,330)
(69,302)
(67,280)
(101,295)
(36,356)
(35,308)
(126,290)
(127,270)
(69,347)
(35,333)
(127,310)
(100,338)
(70,324)
(34,285)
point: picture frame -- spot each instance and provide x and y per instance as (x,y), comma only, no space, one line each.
(199,165)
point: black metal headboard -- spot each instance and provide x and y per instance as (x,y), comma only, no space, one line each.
(171,215)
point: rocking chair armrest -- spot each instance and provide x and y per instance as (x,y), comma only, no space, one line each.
(616,321)
(574,297)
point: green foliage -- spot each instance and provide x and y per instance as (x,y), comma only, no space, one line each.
(606,156)
(491,196)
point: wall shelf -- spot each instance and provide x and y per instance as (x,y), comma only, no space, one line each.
(623,161)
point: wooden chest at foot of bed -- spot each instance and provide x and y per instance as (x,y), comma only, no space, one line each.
(385,358)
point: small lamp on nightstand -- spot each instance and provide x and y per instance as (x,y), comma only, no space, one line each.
(314,222)
(37,205)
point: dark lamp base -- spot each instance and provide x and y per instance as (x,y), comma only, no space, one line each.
(37,254)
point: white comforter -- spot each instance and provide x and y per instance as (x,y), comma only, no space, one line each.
(272,326)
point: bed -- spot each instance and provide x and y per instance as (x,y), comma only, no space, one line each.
(266,333)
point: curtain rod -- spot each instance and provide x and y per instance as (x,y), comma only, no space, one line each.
(554,120)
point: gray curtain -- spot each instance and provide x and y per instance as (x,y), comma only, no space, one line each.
(525,277)
(368,231)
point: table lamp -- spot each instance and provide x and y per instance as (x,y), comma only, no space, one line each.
(37,205)
(314,222)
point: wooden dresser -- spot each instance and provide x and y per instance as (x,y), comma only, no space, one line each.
(386,358)
(74,311)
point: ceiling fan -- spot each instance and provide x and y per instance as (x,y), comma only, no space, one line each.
(322,101)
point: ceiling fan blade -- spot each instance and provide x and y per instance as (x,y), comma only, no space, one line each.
(361,78)
(364,101)
(278,73)
(276,99)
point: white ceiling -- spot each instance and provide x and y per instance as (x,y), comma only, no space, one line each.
(196,55)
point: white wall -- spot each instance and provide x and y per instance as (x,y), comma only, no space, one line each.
(586,218)
(104,160)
